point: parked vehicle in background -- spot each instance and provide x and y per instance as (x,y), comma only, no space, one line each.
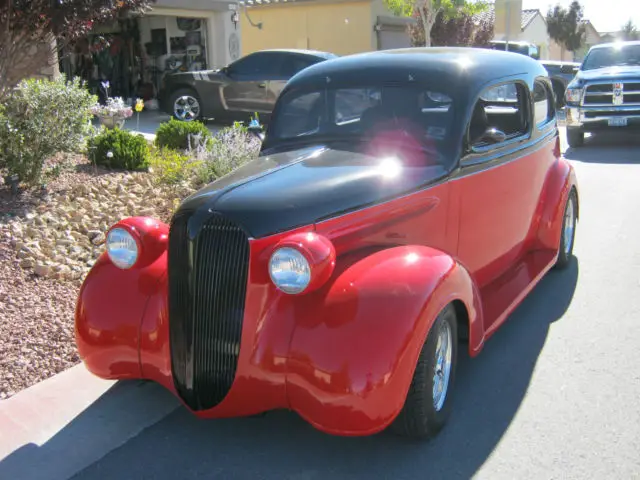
(398,211)
(561,74)
(236,92)
(605,93)
(521,47)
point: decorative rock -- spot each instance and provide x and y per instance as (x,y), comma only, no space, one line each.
(42,270)
(27,263)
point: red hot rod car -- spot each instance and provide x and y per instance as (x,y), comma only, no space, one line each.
(404,202)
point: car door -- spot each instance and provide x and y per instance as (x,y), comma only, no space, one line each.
(290,63)
(500,181)
(247,79)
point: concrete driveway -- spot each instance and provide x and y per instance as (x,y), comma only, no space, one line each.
(553,394)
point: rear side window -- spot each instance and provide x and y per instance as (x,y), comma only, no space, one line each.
(502,108)
(543,110)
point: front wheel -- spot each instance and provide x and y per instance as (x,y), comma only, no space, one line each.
(428,403)
(185,105)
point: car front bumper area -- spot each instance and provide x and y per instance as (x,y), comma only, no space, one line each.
(283,357)
(598,118)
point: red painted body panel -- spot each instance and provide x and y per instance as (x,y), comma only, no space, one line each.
(343,355)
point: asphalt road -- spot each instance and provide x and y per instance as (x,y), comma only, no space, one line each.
(553,395)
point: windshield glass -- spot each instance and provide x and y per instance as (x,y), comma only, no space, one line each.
(404,120)
(612,56)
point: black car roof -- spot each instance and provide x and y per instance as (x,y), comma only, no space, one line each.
(313,53)
(444,64)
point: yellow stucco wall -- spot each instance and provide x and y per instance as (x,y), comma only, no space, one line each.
(341,28)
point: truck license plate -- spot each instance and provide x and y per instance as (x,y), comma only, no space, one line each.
(618,122)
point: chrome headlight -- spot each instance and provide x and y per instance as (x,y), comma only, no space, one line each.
(574,94)
(289,270)
(122,248)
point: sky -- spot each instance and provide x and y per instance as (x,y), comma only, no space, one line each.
(604,15)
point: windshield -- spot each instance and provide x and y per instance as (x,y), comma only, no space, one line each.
(612,56)
(408,121)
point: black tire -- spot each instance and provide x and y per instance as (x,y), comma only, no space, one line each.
(187,93)
(419,417)
(575,138)
(565,254)
(558,90)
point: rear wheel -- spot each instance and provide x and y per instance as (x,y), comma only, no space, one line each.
(575,138)
(568,231)
(428,403)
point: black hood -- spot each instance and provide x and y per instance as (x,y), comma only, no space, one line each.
(279,192)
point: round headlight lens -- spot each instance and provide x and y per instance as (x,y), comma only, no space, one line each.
(122,248)
(289,269)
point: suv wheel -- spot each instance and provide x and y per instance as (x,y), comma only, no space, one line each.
(575,137)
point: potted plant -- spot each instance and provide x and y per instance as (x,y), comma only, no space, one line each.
(114,113)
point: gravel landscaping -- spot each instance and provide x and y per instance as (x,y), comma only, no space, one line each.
(48,242)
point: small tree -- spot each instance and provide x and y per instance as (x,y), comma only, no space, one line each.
(629,31)
(565,26)
(460,31)
(427,11)
(32,31)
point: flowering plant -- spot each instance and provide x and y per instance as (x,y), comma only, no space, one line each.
(115,107)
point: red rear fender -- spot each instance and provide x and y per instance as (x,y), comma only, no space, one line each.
(356,341)
(562,178)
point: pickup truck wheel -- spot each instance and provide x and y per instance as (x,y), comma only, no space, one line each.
(568,231)
(428,403)
(575,138)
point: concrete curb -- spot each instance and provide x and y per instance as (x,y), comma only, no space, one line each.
(60,426)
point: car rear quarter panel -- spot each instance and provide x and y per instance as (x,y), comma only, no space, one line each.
(561,179)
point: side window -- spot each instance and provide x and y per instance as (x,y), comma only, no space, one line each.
(543,109)
(255,65)
(293,64)
(500,114)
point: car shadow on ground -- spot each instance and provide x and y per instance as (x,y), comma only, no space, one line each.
(489,392)
(607,148)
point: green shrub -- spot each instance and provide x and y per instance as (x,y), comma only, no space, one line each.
(230,148)
(171,167)
(116,148)
(39,119)
(175,134)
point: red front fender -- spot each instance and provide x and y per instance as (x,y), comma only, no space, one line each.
(112,302)
(356,342)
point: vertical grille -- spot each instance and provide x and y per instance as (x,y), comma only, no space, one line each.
(207,287)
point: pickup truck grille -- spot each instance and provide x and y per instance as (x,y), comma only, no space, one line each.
(608,94)
(207,286)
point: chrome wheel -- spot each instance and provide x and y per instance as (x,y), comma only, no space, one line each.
(442,366)
(569,226)
(186,108)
